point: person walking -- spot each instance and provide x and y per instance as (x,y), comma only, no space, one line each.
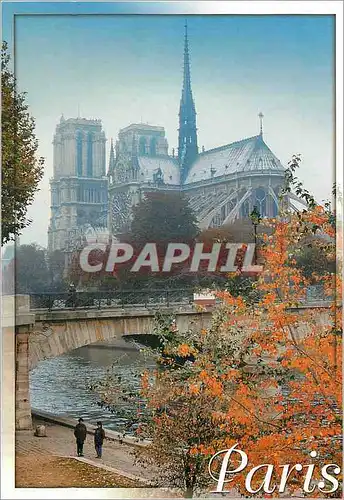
(71,299)
(80,433)
(99,436)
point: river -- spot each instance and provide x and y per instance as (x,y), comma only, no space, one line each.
(59,385)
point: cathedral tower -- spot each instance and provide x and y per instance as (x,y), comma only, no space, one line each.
(187,140)
(79,184)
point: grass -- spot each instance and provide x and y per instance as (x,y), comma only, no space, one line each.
(42,471)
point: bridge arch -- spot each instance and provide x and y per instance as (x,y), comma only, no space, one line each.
(58,332)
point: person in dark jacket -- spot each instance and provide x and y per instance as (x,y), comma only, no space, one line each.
(71,299)
(99,436)
(80,433)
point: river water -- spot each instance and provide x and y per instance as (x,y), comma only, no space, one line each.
(60,385)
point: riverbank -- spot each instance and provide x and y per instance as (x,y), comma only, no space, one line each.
(60,441)
(70,423)
(50,462)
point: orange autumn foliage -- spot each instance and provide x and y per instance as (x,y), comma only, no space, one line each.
(266,375)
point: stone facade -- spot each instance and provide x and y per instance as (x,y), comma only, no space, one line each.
(79,184)
(22,381)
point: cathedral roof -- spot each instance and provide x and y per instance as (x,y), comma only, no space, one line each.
(141,127)
(247,155)
(149,165)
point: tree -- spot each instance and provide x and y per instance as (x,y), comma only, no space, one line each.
(56,263)
(21,169)
(160,218)
(35,271)
(31,269)
(314,258)
(265,375)
(163,217)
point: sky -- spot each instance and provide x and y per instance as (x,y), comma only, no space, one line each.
(127,69)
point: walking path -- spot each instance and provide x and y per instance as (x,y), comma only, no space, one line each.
(36,453)
(60,441)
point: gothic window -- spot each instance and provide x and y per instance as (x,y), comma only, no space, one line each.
(89,154)
(274,208)
(245,208)
(260,202)
(79,153)
(153,146)
(142,146)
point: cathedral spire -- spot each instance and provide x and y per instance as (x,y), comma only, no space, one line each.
(261,116)
(112,158)
(186,76)
(187,141)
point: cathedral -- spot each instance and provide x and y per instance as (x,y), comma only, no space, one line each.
(222,184)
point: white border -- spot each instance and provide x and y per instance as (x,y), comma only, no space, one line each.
(200,7)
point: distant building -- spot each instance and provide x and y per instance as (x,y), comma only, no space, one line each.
(223,184)
(79,186)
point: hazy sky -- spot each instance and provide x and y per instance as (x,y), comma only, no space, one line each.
(126,69)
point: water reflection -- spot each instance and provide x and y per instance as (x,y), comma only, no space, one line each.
(59,385)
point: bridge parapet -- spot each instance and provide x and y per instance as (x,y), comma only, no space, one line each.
(60,331)
(144,297)
(111,299)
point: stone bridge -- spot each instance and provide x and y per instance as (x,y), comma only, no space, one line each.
(57,332)
(42,334)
